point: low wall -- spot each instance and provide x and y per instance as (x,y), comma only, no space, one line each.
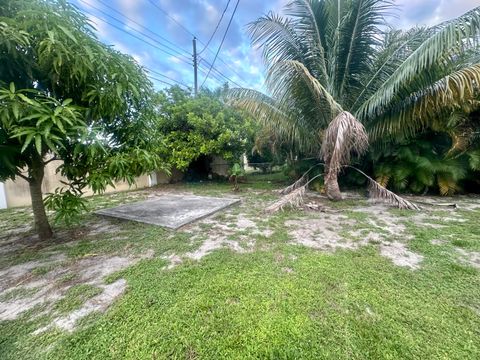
(17,193)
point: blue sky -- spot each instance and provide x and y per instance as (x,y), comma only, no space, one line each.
(237,60)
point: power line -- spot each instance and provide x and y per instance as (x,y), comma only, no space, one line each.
(167,77)
(160,80)
(141,26)
(215,70)
(171,18)
(221,43)
(195,36)
(135,30)
(136,37)
(216,27)
(215,77)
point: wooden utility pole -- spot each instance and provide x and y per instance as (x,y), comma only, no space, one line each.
(195,66)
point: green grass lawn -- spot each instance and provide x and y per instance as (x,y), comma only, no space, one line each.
(275,300)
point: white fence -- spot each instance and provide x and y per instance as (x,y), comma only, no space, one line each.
(17,193)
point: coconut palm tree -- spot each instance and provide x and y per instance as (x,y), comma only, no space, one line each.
(336,71)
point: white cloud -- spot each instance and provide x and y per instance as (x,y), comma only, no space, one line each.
(431,12)
(174,60)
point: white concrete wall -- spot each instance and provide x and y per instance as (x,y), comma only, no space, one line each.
(17,193)
(3,196)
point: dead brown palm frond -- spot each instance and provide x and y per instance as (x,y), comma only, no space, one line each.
(294,199)
(300,182)
(344,135)
(297,184)
(379,192)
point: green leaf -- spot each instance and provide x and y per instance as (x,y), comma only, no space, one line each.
(26,99)
(68,33)
(27,142)
(50,145)
(60,125)
(119,90)
(16,110)
(38,143)
(12,87)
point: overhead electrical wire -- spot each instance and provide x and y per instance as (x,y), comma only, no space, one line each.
(215,77)
(221,43)
(171,17)
(216,27)
(133,29)
(215,70)
(141,26)
(137,37)
(193,35)
(183,58)
(160,80)
(167,77)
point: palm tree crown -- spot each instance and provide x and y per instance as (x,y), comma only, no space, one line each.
(325,58)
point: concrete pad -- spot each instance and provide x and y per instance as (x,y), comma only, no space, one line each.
(171,211)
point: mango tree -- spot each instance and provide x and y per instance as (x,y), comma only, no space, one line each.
(66,96)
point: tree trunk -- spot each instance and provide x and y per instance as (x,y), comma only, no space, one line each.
(331,186)
(42,226)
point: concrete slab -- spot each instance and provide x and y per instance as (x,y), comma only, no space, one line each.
(170,211)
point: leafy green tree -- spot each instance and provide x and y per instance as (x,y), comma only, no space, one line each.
(201,125)
(332,67)
(66,96)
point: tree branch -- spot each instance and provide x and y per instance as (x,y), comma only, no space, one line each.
(22,176)
(49,161)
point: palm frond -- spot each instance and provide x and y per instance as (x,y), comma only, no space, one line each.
(297,184)
(417,111)
(344,135)
(293,199)
(451,39)
(286,80)
(284,120)
(377,191)
(311,18)
(397,45)
(277,37)
(358,37)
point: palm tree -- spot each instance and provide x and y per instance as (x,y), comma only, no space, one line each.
(335,72)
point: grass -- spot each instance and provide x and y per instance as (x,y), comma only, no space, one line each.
(75,297)
(281,301)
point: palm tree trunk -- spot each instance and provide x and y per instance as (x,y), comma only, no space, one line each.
(42,226)
(331,186)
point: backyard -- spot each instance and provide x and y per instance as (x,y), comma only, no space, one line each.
(348,280)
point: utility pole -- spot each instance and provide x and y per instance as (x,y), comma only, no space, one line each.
(195,65)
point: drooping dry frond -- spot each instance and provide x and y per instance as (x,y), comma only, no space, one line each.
(344,135)
(377,191)
(299,183)
(294,199)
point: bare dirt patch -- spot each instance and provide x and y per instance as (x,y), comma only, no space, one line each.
(52,278)
(333,230)
(228,231)
(322,233)
(97,303)
(471,258)
(400,255)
